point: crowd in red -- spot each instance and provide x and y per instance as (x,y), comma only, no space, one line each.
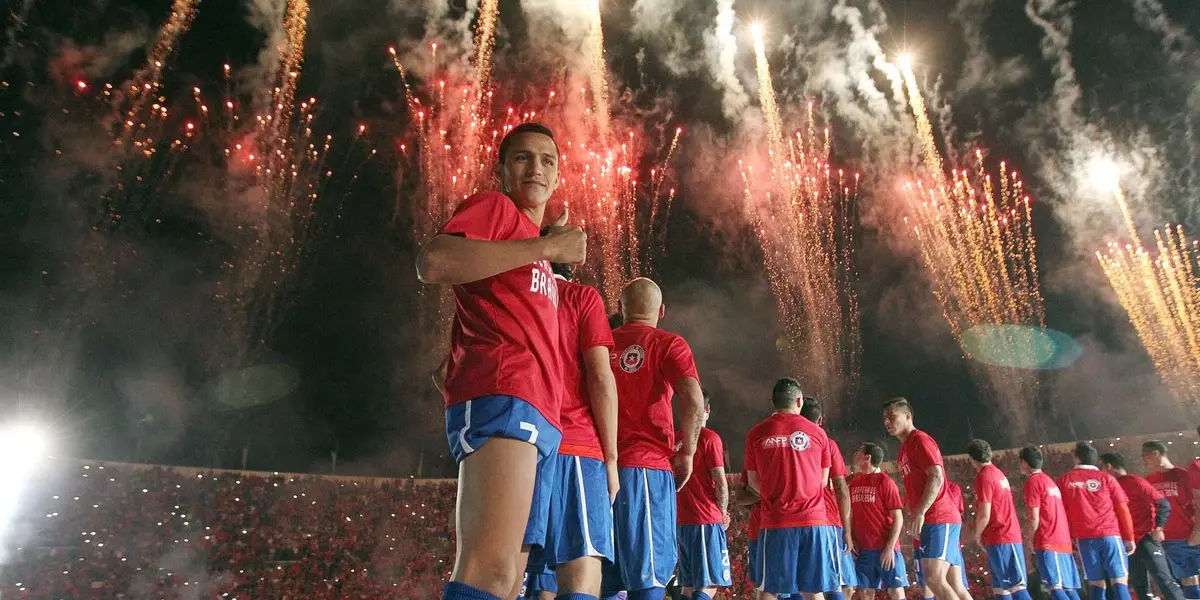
(93,530)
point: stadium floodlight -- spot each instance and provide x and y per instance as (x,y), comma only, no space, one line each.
(23,447)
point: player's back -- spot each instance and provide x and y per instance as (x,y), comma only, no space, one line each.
(992,486)
(583,323)
(695,502)
(647,361)
(789,454)
(1087,495)
(1053,532)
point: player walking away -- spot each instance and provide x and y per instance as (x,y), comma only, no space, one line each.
(837,509)
(997,530)
(787,466)
(1098,514)
(504,370)
(933,519)
(1182,528)
(651,365)
(703,507)
(1052,550)
(1149,511)
(579,535)
(876,524)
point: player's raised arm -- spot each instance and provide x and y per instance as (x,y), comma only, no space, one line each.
(452,259)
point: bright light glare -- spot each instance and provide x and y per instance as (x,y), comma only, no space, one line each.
(756,29)
(1105,173)
(904,61)
(22,447)
(22,442)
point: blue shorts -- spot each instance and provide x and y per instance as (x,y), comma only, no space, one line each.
(472,423)
(918,554)
(753,566)
(580,515)
(1103,558)
(873,577)
(1058,569)
(703,557)
(1184,559)
(847,573)
(536,583)
(644,522)
(941,541)
(799,560)
(610,579)
(1007,565)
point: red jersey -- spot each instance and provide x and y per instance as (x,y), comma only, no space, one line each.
(1091,498)
(696,503)
(837,468)
(752,524)
(1174,486)
(1143,500)
(504,339)
(954,493)
(1194,475)
(873,497)
(582,324)
(1052,533)
(790,454)
(1003,527)
(647,362)
(917,454)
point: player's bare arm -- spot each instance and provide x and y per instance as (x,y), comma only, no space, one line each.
(842,491)
(721,493)
(933,487)
(887,558)
(602,393)
(983,516)
(691,414)
(439,375)
(453,260)
(744,496)
(1035,518)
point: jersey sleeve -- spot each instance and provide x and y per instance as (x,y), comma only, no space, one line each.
(889,492)
(751,463)
(925,453)
(1034,490)
(593,322)
(827,454)
(984,487)
(484,216)
(1114,490)
(678,362)
(717,451)
(837,464)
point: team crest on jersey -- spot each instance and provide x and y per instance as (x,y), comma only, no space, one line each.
(633,358)
(1093,485)
(799,440)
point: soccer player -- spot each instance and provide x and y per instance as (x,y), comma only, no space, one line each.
(933,518)
(997,530)
(1098,514)
(878,518)
(579,531)
(837,509)
(651,366)
(1149,511)
(504,371)
(744,496)
(1051,536)
(1182,527)
(787,466)
(703,510)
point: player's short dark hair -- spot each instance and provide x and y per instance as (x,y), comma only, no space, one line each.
(873,450)
(530,127)
(1113,459)
(707,397)
(786,392)
(811,409)
(1032,456)
(1154,446)
(980,450)
(898,403)
(1087,454)
(615,320)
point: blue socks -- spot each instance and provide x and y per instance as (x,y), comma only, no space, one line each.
(1121,591)
(1059,594)
(648,594)
(1191,592)
(700,595)
(575,597)
(1095,593)
(1072,593)
(461,591)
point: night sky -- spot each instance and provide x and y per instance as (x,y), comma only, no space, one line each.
(111,332)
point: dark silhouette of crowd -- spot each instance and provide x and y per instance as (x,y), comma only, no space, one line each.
(92,530)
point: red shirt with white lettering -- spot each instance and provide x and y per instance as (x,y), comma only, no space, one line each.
(917,454)
(582,324)
(873,497)
(504,339)
(1053,532)
(696,503)
(647,362)
(1003,527)
(790,454)
(1143,500)
(1090,497)
(1174,486)
(837,468)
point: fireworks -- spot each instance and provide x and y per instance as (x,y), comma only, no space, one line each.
(802,211)
(146,82)
(975,235)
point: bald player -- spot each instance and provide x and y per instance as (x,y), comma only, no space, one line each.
(651,366)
